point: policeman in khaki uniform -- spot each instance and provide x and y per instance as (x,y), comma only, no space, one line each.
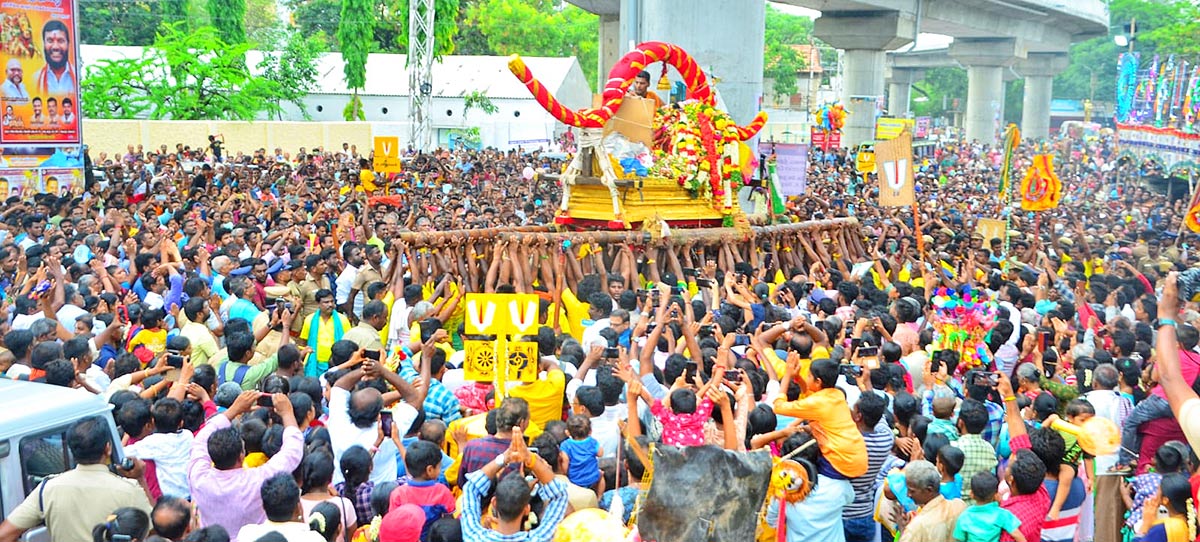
(71,503)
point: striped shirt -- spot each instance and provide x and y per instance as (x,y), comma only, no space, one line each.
(879,446)
(991,432)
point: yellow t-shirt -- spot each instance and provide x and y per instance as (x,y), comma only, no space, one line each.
(545,397)
(325,335)
(156,341)
(577,312)
(780,365)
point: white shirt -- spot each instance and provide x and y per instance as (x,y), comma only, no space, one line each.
(56,84)
(154,300)
(399,331)
(591,334)
(67,315)
(12,91)
(344,434)
(344,282)
(170,453)
(293,531)
(24,321)
(1108,405)
(606,431)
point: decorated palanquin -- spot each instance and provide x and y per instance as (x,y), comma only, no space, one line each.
(685,173)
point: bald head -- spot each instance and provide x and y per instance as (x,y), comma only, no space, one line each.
(365,405)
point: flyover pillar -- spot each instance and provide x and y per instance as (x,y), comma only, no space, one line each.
(611,49)
(985,59)
(1039,70)
(725,38)
(900,82)
(865,37)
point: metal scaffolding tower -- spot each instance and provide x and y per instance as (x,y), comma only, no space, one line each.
(420,72)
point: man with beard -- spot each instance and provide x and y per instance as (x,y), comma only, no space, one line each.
(56,77)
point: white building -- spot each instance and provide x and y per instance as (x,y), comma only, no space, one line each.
(519,119)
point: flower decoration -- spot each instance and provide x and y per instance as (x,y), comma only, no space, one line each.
(690,142)
(961,322)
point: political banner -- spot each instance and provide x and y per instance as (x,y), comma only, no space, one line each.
(887,128)
(1169,147)
(60,181)
(894,164)
(820,139)
(791,166)
(17,182)
(921,127)
(40,92)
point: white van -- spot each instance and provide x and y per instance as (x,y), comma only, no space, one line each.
(34,419)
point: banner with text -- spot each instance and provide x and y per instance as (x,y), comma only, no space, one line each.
(791,166)
(40,91)
(889,128)
(1169,147)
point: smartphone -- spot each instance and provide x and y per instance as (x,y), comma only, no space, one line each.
(1044,340)
(850,370)
(704,283)
(768,260)
(385,420)
(690,272)
(123,313)
(373,354)
(42,287)
(986,379)
(868,352)
(611,353)
(691,370)
(855,342)
(265,400)
(176,361)
(733,375)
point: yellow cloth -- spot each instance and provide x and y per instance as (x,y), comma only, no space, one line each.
(545,397)
(325,335)
(780,365)
(255,460)
(155,340)
(577,312)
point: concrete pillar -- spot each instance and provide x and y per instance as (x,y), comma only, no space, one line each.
(1039,70)
(737,61)
(985,59)
(865,37)
(900,82)
(610,50)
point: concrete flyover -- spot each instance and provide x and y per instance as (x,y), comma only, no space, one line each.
(992,40)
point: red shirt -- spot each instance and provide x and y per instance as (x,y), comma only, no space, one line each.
(1031,509)
(1156,433)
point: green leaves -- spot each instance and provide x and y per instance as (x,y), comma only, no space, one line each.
(355,35)
(229,18)
(561,30)
(194,75)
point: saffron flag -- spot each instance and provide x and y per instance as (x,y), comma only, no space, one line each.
(1041,189)
(894,164)
(1192,217)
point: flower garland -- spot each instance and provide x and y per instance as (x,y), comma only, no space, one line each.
(689,141)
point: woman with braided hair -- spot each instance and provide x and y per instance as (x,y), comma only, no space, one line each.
(1175,494)
(326,519)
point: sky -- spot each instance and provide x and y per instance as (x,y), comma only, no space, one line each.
(925,41)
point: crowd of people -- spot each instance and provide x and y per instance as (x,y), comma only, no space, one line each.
(285,354)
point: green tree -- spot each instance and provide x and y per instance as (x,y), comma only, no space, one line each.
(355,37)
(1161,27)
(184,75)
(941,86)
(562,29)
(292,66)
(175,11)
(229,18)
(781,61)
(318,18)
(119,22)
(445,25)
(261,21)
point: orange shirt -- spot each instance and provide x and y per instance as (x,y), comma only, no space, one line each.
(837,435)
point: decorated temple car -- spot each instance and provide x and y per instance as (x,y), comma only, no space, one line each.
(678,166)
